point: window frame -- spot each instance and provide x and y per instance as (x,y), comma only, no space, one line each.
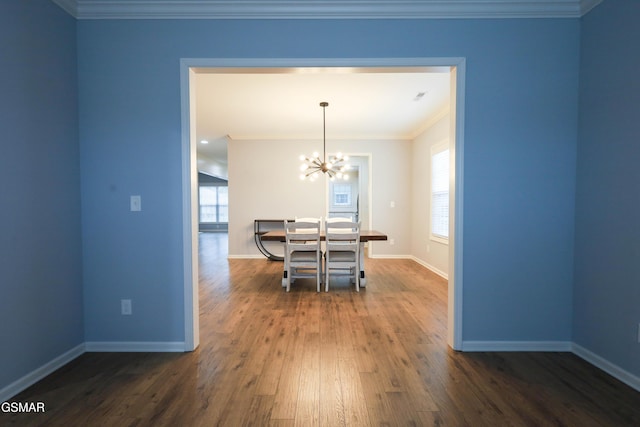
(217,204)
(435,150)
(347,193)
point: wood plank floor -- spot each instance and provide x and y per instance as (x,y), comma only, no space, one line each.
(374,358)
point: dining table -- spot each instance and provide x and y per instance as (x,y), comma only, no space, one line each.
(278,235)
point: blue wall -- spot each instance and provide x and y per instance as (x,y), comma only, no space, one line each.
(521,136)
(520,149)
(607,263)
(40,254)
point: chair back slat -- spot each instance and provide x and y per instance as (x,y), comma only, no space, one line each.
(303,234)
(342,235)
(303,253)
(342,250)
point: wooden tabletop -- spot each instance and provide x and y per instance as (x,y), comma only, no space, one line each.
(365,236)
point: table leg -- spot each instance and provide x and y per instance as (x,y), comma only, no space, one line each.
(285,272)
(363,279)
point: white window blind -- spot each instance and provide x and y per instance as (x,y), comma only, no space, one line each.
(342,194)
(214,204)
(440,193)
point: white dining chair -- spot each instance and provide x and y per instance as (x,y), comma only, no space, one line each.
(342,251)
(303,254)
(339,219)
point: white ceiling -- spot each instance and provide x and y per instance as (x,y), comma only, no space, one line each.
(364,103)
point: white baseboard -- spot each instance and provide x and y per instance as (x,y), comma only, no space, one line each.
(614,370)
(562,346)
(36,375)
(257,256)
(389,256)
(431,267)
(413,258)
(48,368)
(133,346)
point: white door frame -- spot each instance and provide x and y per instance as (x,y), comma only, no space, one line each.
(366,223)
(189,173)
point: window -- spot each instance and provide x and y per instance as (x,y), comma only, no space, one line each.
(342,195)
(440,192)
(214,204)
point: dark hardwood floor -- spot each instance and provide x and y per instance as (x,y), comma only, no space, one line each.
(374,358)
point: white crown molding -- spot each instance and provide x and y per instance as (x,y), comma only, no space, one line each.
(69,6)
(324,9)
(587,5)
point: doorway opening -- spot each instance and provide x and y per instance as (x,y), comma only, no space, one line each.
(190,67)
(352,198)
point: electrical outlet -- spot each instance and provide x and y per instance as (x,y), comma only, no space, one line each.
(125,307)
(392,241)
(136,203)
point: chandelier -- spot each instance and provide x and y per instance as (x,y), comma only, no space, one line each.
(335,167)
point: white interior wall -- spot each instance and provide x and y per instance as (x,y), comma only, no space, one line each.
(264,184)
(432,254)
